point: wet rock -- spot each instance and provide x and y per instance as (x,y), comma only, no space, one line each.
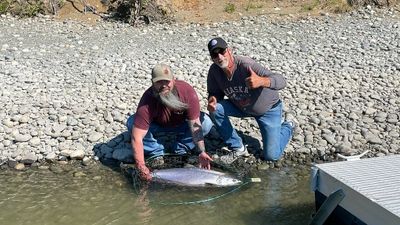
(278,164)
(263,166)
(12,163)
(86,161)
(77,154)
(96,178)
(19,166)
(29,158)
(42,167)
(56,169)
(79,174)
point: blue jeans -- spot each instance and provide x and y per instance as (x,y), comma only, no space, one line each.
(275,135)
(183,144)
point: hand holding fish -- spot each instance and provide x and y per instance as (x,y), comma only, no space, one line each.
(204,160)
(144,172)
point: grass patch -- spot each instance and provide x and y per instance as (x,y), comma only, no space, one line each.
(230,8)
(337,6)
(4,6)
(30,8)
(250,5)
(310,6)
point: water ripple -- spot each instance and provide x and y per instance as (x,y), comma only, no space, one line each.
(43,197)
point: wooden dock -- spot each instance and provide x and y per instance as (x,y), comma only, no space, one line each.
(371,187)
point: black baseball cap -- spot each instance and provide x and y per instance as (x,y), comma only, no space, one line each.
(216,43)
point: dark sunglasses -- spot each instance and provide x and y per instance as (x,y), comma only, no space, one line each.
(218,51)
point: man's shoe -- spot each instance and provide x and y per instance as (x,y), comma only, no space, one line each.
(157,162)
(292,121)
(233,155)
(292,124)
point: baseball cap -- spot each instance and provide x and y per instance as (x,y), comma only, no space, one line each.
(216,43)
(161,72)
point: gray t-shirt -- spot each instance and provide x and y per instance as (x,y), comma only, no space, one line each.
(252,101)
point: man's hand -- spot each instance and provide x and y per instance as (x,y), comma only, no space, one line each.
(212,104)
(204,160)
(255,81)
(144,172)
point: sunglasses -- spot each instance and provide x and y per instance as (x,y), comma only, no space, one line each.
(218,51)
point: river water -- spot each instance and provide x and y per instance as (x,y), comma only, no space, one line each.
(102,195)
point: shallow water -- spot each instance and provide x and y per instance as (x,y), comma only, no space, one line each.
(106,196)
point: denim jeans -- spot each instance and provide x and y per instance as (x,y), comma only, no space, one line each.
(183,144)
(275,135)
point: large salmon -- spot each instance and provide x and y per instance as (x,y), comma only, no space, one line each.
(195,177)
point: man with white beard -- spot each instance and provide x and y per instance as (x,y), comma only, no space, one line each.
(251,91)
(169,105)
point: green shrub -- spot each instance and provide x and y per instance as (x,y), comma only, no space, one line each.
(230,8)
(26,8)
(4,6)
(33,9)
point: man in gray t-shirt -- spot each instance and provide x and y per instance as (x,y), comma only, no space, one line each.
(251,90)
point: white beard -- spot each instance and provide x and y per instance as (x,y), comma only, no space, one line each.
(172,101)
(224,64)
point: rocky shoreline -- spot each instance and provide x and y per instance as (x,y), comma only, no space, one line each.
(68,88)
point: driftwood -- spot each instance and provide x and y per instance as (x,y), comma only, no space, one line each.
(136,6)
(53,5)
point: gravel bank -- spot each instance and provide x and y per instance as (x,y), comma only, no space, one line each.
(67,88)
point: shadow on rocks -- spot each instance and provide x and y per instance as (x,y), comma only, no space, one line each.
(117,153)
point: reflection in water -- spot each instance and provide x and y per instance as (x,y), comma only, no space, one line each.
(142,205)
(104,196)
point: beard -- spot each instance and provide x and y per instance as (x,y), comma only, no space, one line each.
(171,100)
(224,64)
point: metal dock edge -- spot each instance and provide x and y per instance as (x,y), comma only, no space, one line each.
(371,187)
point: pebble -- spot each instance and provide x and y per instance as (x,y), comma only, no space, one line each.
(19,166)
(79,174)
